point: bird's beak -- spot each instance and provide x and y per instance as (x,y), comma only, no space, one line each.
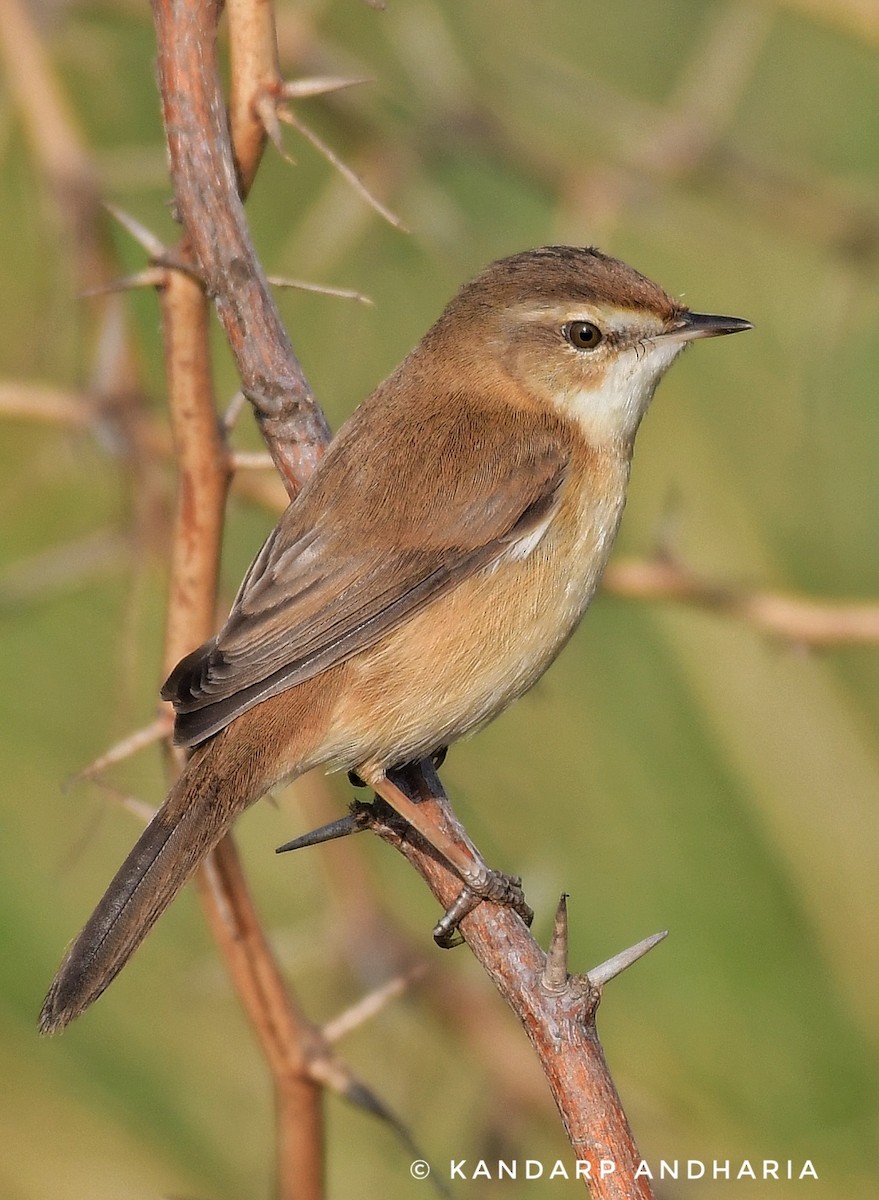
(700,325)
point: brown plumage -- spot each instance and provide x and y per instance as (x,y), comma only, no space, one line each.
(429,572)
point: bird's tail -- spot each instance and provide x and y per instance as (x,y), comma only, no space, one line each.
(198,811)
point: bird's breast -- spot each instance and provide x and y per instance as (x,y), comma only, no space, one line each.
(463,659)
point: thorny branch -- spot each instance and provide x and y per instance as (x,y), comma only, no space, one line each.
(213,215)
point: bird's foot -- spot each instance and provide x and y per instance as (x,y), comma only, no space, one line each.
(428,812)
(491,885)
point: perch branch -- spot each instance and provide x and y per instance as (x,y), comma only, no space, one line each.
(559,1021)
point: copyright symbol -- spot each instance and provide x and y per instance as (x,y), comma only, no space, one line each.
(419,1169)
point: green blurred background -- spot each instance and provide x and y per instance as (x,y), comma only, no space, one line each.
(674,769)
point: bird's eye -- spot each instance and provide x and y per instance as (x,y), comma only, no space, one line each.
(583,335)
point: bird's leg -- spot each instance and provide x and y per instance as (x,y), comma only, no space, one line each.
(433,818)
(460,854)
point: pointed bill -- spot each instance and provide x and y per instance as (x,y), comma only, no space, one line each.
(702,325)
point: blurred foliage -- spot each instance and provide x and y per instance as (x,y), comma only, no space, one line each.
(673,769)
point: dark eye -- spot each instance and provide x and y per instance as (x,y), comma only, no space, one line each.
(583,335)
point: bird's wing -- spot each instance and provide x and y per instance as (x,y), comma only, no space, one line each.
(380,530)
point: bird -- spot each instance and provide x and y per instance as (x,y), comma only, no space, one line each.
(427,574)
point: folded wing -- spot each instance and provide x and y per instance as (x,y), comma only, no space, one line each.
(381,530)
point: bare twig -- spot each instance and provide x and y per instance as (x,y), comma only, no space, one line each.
(373,941)
(796,619)
(46,404)
(288,1039)
(71,181)
(284,1033)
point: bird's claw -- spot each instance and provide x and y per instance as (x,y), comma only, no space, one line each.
(491,885)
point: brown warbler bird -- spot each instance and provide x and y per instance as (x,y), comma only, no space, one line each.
(430,570)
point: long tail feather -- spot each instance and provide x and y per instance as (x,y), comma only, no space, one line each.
(198,811)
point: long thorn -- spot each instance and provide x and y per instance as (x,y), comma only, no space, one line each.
(332,1073)
(344,170)
(149,277)
(608,970)
(317,85)
(268,112)
(236,406)
(555,973)
(251,460)
(353,823)
(143,236)
(302,286)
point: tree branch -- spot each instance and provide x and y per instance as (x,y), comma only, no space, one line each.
(206,189)
(797,619)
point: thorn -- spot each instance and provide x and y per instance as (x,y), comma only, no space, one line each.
(149,277)
(139,808)
(45,404)
(322,289)
(104,375)
(555,973)
(344,170)
(353,823)
(267,110)
(371,1004)
(154,732)
(608,970)
(62,566)
(330,1072)
(318,85)
(143,236)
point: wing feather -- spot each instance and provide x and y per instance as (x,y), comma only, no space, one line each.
(354,556)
